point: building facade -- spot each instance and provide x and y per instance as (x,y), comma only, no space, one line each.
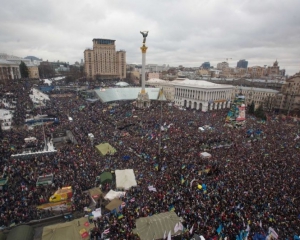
(33,71)
(202,95)
(152,75)
(167,87)
(222,65)
(242,64)
(9,70)
(260,96)
(289,98)
(103,61)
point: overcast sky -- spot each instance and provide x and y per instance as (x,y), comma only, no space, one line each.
(181,32)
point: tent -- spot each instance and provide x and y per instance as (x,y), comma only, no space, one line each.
(22,232)
(205,155)
(95,193)
(114,204)
(105,177)
(75,230)
(105,148)
(113,194)
(154,227)
(125,179)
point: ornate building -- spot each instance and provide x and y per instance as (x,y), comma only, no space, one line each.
(103,61)
(289,98)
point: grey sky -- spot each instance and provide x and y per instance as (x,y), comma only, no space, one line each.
(181,32)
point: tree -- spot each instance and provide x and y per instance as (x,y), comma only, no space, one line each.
(24,70)
(260,113)
(251,108)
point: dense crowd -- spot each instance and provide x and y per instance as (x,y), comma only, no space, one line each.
(256,185)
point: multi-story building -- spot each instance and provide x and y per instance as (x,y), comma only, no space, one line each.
(103,61)
(289,98)
(9,70)
(152,75)
(273,70)
(205,65)
(222,65)
(256,71)
(195,94)
(32,66)
(260,96)
(242,64)
(33,71)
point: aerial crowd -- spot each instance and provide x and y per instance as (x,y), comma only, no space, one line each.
(251,185)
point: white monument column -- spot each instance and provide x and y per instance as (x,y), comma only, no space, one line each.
(144,50)
(143,100)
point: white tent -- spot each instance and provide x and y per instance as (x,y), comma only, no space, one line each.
(113,194)
(205,155)
(125,179)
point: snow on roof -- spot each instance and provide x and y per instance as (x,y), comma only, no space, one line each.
(155,80)
(38,96)
(200,83)
(122,84)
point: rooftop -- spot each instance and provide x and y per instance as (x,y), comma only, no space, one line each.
(117,94)
(199,83)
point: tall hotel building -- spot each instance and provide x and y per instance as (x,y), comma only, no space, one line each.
(103,61)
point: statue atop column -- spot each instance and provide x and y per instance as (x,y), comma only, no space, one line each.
(145,34)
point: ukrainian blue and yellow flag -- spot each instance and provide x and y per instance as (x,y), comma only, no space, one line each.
(182,179)
(156,166)
(171,208)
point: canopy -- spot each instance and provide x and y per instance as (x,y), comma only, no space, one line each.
(113,194)
(114,204)
(205,155)
(75,230)
(105,148)
(125,179)
(154,227)
(95,193)
(105,177)
(22,232)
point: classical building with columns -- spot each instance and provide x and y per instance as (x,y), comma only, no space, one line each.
(195,94)
(9,70)
(202,95)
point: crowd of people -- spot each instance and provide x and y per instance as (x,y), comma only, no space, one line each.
(256,185)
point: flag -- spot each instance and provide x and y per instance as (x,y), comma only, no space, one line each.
(272,233)
(260,223)
(151,188)
(120,216)
(296,237)
(191,230)
(219,229)
(169,236)
(114,212)
(156,166)
(171,208)
(178,227)
(182,179)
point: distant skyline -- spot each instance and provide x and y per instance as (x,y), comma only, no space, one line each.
(181,32)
